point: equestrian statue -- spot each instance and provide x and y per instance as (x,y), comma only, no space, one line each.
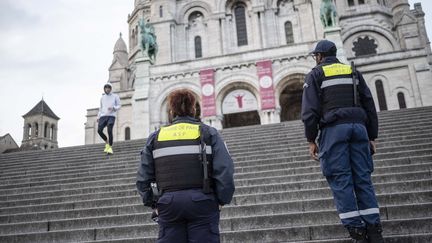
(328,13)
(149,46)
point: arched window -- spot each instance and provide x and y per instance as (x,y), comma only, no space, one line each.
(350,3)
(381,95)
(136,35)
(132,38)
(240,19)
(127,133)
(36,130)
(160,11)
(198,47)
(289,35)
(52,132)
(29,130)
(46,130)
(401,100)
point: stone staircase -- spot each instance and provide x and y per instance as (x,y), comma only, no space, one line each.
(77,194)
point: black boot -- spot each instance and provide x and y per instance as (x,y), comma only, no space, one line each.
(374,233)
(358,235)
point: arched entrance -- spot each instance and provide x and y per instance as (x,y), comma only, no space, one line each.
(240,108)
(290,98)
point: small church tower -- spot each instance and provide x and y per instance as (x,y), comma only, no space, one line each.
(40,128)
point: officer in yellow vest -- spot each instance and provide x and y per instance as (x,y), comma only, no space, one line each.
(347,120)
(193,170)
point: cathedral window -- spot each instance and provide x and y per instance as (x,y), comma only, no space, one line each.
(350,3)
(160,11)
(361,1)
(132,44)
(198,47)
(127,133)
(401,100)
(383,2)
(289,35)
(36,130)
(52,132)
(195,18)
(381,95)
(46,130)
(240,19)
(29,130)
(136,35)
(365,46)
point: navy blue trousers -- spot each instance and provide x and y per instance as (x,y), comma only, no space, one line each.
(347,164)
(188,216)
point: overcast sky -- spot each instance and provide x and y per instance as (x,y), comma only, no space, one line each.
(61,50)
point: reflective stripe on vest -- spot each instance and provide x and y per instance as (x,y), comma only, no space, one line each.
(337,81)
(177,150)
(177,157)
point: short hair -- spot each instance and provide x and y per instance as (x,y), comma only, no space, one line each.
(182,103)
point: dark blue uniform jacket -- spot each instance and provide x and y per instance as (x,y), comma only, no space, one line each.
(223,166)
(313,117)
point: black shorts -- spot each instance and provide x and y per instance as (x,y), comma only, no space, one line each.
(105,121)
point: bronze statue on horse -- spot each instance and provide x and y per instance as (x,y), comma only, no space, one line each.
(149,46)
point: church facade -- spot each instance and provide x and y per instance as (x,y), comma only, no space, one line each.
(245,60)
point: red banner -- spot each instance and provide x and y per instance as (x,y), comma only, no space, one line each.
(265,77)
(208,102)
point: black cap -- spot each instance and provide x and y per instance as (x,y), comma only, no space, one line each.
(325,46)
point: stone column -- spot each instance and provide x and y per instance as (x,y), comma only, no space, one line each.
(25,134)
(334,34)
(213,121)
(140,99)
(270,116)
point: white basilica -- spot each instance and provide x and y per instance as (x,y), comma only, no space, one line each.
(245,60)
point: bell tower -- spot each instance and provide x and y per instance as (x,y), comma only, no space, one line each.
(40,128)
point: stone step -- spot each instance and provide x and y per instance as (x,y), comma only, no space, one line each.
(413,238)
(319,232)
(395,136)
(118,161)
(244,222)
(228,211)
(131,175)
(140,143)
(30,193)
(97,154)
(246,167)
(384,152)
(263,234)
(238,150)
(299,150)
(249,176)
(384,126)
(240,190)
(83,161)
(131,164)
(238,199)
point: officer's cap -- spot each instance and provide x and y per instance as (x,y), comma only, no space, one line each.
(324,46)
